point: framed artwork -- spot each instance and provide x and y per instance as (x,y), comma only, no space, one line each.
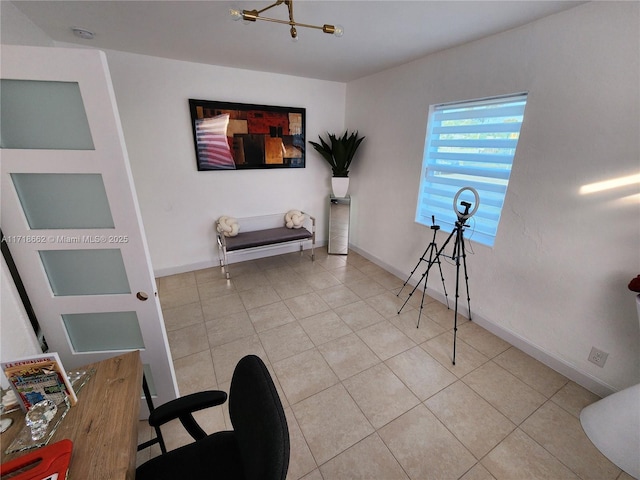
(237,136)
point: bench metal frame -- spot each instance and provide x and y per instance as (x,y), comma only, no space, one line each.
(258,224)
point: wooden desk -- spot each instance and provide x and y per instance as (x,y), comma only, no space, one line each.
(103,426)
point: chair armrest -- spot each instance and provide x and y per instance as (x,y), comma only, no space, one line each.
(186,405)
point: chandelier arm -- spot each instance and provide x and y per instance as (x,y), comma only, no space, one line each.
(317,27)
(293,24)
(290,8)
(275,20)
(278,2)
(297,24)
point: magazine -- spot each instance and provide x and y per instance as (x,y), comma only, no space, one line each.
(37,378)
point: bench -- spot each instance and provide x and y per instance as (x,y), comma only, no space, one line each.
(263,232)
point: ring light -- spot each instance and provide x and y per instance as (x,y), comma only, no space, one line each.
(475,207)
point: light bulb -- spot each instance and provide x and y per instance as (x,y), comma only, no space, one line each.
(235,14)
(339,31)
(294,34)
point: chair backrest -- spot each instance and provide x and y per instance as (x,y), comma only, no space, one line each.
(258,421)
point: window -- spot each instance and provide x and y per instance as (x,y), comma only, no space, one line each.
(469,144)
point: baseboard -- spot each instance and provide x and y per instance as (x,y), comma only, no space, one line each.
(568,370)
(165,272)
(559,365)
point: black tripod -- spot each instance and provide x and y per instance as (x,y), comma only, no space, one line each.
(459,252)
(432,249)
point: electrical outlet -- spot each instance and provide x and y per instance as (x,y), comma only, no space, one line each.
(598,357)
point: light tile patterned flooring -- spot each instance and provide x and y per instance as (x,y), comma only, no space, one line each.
(367,394)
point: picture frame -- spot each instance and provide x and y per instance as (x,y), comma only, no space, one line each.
(239,136)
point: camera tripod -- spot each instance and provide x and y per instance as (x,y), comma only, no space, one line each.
(432,249)
(459,252)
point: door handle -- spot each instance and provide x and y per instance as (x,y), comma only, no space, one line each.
(142,296)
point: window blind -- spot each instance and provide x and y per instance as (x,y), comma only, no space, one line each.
(469,144)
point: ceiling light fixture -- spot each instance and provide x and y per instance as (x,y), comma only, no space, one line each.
(253,15)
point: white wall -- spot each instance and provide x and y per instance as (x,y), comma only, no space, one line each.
(556,279)
(178,203)
(17,338)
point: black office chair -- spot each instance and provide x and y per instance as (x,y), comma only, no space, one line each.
(257,448)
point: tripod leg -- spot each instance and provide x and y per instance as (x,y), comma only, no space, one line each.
(431,249)
(466,277)
(432,260)
(422,301)
(455,317)
(444,288)
(415,268)
(424,276)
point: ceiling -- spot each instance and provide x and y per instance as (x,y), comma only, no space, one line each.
(377,34)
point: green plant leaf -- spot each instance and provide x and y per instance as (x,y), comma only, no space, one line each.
(339,151)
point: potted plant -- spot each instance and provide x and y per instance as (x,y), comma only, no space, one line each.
(339,153)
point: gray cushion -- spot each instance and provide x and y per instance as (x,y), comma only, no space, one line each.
(270,236)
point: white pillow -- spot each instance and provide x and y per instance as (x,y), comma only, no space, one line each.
(228,226)
(294,219)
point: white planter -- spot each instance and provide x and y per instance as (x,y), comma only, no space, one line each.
(339,186)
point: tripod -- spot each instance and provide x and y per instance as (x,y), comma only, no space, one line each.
(433,258)
(459,252)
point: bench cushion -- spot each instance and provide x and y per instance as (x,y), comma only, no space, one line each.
(269,236)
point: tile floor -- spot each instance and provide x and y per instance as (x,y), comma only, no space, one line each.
(367,394)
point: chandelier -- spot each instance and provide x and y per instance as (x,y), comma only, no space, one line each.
(253,15)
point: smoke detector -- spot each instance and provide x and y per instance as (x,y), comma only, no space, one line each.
(82,33)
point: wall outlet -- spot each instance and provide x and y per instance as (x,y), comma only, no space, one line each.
(598,357)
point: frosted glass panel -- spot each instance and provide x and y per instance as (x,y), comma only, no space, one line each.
(43,115)
(63,200)
(90,332)
(85,272)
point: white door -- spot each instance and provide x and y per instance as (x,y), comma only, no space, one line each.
(70,216)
